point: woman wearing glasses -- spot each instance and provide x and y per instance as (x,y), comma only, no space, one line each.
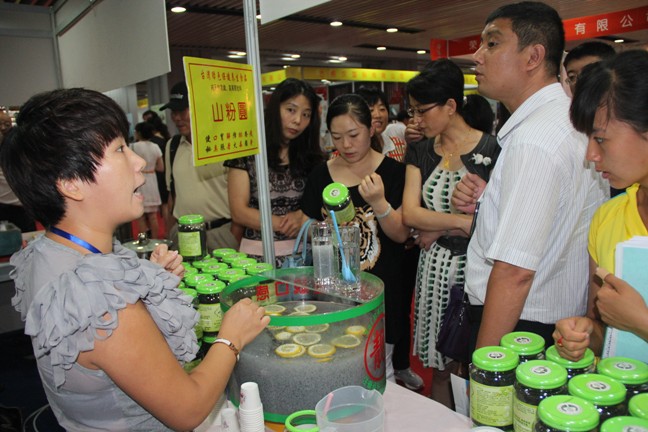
(458,142)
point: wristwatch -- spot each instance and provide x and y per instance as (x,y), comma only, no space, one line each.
(230,345)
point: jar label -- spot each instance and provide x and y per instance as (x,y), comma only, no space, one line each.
(211,317)
(189,244)
(199,331)
(345,215)
(492,406)
(524,415)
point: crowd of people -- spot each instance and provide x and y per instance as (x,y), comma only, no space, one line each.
(521,218)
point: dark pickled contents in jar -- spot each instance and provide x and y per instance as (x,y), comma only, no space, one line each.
(535,381)
(492,376)
(566,413)
(192,237)
(211,314)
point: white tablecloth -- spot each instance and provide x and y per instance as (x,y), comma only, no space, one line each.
(405,411)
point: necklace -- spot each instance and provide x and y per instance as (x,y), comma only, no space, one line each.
(447,157)
(84,244)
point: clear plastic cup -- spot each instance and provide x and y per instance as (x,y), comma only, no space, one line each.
(325,264)
(350,235)
(351,409)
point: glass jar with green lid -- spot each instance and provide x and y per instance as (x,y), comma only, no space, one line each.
(215,268)
(492,376)
(199,264)
(535,380)
(192,237)
(193,280)
(629,372)
(182,285)
(607,394)
(625,424)
(189,269)
(243,263)
(638,406)
(529,346)
(258,268)
(220,253)
(229,259)
(337,198)
(228,275)
(194,301)
(583,366)
(211,314)
(566,413)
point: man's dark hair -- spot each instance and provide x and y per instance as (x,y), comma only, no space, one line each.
(145,129)
(372,95)
(596,49)
(59,135)
(535,23)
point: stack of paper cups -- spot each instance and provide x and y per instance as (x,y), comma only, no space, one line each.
(251,409)
(229,422)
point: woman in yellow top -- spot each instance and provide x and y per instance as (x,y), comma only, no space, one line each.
(610,105)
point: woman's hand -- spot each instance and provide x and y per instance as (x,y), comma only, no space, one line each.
(467,192)
(622,307)
(572,336)
(372,189)
(170,260)
(425,239)
(291,223)
(243,322)
(413,132)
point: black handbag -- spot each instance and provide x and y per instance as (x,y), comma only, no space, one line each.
(454,334)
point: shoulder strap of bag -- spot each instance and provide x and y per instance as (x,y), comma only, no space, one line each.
(173,148)
(303,233)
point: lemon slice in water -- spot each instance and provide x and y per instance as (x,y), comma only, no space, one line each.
(274,309)
(307,339)
(356,330)
(290,350)
(321,350)
(306,307)
(283,336)
(319,328)
(346,341)
(295,329)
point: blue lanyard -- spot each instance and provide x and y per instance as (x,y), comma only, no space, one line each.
(84,244)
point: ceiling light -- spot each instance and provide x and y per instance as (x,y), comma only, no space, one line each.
(258,17)
(619,40)
(336,23)
(392,30)
(286,66)
(334,61)
(234,56)
(178,9)
(342,58)
(273,88)
(241,53)
(381,48)
(421,52)
(295,56)
(288,59)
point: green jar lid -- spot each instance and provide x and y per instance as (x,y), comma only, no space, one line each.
(586,361)
(210,339)
(238,278)
(257,268)
(209,260)
(335,194)
(228,274)
(568,413)
(541,374)
(243,263)
(495,359)
(623,369)
(598,389)
(210,287)
(214,269)
(190,292)
(523,343)
(191,219)
(191,271)
(638,406)
(194,279)
(230,258)
(199,264)
(220,253)
(624,424)
(182,285)
(187,265)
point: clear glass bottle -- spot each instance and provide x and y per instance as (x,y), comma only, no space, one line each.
(566,413)
(607,394)
(535,380)
(583,366)
(492,376)
(192,237)
(630,372)
(529,346)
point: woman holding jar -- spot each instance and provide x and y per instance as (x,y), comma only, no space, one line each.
(458,141)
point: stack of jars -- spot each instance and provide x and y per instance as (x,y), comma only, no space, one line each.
(520,387)
(204,280)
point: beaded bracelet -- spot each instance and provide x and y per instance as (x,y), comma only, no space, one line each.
(384,215)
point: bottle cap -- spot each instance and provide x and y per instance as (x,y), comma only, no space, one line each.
(210,287)
(638,406)
(541,374)
(624,424)
(230,258)
(190,292)
(215,268)
(335,194)
(257,268)
(194,279)
(495,359)
(598,389)
(586,361)
(523,343)
(243,263)
(623,369)
(191,219)
(220,253)
(569,413)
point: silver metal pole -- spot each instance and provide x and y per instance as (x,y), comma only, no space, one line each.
(261,160)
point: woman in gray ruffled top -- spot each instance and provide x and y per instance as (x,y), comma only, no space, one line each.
(110,331)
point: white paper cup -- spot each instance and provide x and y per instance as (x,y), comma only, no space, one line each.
(250,399)
(251,420)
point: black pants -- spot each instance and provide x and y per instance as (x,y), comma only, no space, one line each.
(543,330)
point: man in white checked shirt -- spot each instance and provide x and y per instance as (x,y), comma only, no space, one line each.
(527,264)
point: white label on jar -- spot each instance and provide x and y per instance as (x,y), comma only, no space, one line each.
(598,386)
(523,340)
(569,408)
(491,406)
(625,366)
(540,370)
